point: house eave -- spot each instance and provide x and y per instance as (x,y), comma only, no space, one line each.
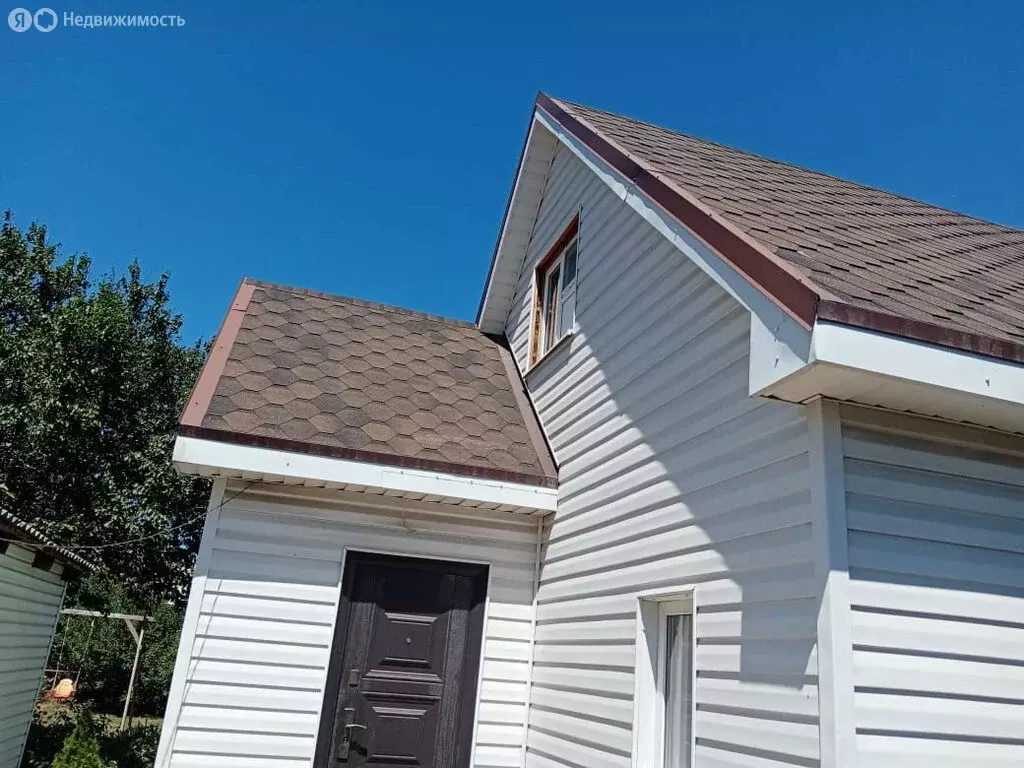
(489,280)
(853,364)
(803,301)
(804,342)
(516,227)
(213,458)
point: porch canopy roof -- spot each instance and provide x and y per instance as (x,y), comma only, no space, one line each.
(363,395)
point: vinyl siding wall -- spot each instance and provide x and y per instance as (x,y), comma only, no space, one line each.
(258,665)
(669,474)
(30,601)
(936,543)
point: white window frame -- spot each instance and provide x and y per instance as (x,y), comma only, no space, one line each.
(563,313)
(564,297)
(652,611)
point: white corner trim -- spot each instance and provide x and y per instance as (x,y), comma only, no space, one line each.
(331,650)
(836,724)
(190,625)
(193,454)
(537,561)
(917,361)
(775,352)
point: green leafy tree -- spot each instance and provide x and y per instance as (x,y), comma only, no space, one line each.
(93,376)
(51,731)
(99,654)
(82,748)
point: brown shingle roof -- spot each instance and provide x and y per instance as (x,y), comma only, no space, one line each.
(325,374)
(859,255)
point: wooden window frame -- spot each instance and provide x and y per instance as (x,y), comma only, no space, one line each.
(541,272)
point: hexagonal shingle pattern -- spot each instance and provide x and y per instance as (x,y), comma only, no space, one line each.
(340,373)
(872,249)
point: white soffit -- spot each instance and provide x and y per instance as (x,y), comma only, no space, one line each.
(516,228)
(208,457)
(848,363)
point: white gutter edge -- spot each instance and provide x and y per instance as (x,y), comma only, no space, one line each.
(193,454)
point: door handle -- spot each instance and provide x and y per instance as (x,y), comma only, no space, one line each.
(347,726)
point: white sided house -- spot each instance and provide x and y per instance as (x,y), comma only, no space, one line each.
(729,473)
(34,572)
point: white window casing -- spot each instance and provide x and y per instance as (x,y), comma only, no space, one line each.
(558,294)
(664,680)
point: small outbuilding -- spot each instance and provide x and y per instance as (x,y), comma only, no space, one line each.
(34,572)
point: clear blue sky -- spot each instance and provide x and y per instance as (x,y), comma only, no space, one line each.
(368,148)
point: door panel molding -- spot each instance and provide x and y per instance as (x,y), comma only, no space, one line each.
(383,693)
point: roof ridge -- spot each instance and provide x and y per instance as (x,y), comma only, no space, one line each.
(41,539)
(785,164)
(375,305)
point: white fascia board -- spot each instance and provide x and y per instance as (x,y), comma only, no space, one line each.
(216,457)
(835,348)
(485,325)
(917,362)
(513,240)
(783,342)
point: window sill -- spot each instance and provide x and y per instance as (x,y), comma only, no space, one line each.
(559,346)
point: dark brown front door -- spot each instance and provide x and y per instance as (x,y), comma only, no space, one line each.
(402,684)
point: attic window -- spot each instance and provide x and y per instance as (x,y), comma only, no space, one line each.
(554,292)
